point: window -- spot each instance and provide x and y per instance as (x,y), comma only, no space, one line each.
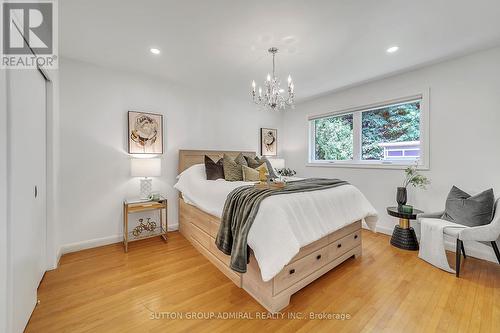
(334,138)
(390,134)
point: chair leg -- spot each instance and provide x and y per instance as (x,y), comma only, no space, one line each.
(495,248)
(463,250)
(457,255)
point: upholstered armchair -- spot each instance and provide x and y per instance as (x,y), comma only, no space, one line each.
(484,233)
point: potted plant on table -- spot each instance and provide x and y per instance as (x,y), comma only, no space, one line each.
(285,172)
(412,177)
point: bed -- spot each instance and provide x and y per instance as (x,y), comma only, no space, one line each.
(271,277)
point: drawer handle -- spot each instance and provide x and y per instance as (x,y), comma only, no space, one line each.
(339,245)
(318,257)
(292,271)
(355,236)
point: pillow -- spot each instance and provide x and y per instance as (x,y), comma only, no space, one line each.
(253,175)
(240,159)
(214,170)
(252,162)
(264,159)
(249,174)
(232,170)
(472,211)
(189,178)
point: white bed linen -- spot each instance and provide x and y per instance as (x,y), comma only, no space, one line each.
(284,223)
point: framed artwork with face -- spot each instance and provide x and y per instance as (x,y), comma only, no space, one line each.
(268,142)
(145,133)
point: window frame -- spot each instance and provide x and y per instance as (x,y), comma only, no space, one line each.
(357,161)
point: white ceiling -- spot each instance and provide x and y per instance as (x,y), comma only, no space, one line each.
(325,45)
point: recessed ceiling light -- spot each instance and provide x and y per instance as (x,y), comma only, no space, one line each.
(154,50)
(393,49)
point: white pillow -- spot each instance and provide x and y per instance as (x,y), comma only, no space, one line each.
(189,178)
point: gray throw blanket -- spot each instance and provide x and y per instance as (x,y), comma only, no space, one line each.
(241,207)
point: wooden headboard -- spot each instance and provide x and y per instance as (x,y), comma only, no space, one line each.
(188,158)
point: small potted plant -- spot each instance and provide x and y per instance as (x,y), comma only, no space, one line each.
(412,177)
(285,172)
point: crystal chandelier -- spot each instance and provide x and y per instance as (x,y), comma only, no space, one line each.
(272,97)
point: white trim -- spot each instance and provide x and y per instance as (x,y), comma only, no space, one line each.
(364,165)
(88,244)
(96,242)
(369,107)
(424,160)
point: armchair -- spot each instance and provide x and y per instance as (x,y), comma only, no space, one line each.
(484,233)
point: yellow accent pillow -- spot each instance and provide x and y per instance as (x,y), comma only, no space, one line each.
(263,172)
(253,175)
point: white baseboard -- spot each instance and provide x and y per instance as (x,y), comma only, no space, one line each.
(90,243)
(473,249)
(96,242)
(384,230)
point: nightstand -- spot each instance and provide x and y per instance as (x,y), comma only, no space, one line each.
(146,228)
(403,235)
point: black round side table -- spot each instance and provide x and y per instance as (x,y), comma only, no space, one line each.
(403,236)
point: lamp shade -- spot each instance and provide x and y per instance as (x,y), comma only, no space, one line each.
(145,167)
(277,163)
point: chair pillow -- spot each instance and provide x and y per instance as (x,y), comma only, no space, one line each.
(472,211)
(214,170)
(232,170)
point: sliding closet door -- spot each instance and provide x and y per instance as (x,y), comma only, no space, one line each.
(27,142)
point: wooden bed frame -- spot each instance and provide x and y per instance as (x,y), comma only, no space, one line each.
(310,263)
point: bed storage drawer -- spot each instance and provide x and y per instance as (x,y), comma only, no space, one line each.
(218,253)
(346,243)
(297,270)
(213,228)
(202,224)
(344,231)
(200,236)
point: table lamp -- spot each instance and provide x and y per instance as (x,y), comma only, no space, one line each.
(145,167)
(277,163)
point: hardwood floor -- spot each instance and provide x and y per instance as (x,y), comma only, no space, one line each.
(387,289)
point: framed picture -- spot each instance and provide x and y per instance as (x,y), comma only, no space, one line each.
(145,133)
(268,142)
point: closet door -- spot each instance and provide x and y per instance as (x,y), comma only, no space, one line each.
(27,142)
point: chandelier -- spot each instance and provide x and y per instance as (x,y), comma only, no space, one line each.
(273,95)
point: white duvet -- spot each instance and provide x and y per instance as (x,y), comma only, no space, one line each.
(284,223)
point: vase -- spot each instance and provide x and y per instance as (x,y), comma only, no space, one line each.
(401,196)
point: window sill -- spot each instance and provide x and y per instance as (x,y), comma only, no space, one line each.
(392,166)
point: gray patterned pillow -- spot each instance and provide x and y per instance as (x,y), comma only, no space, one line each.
(252,162)
(232,170)
(240,159)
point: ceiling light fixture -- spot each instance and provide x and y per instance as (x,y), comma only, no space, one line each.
(393,49)
(273,98)
(154,50)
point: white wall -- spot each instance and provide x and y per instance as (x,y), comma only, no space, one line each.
(464,133)
(95,169)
